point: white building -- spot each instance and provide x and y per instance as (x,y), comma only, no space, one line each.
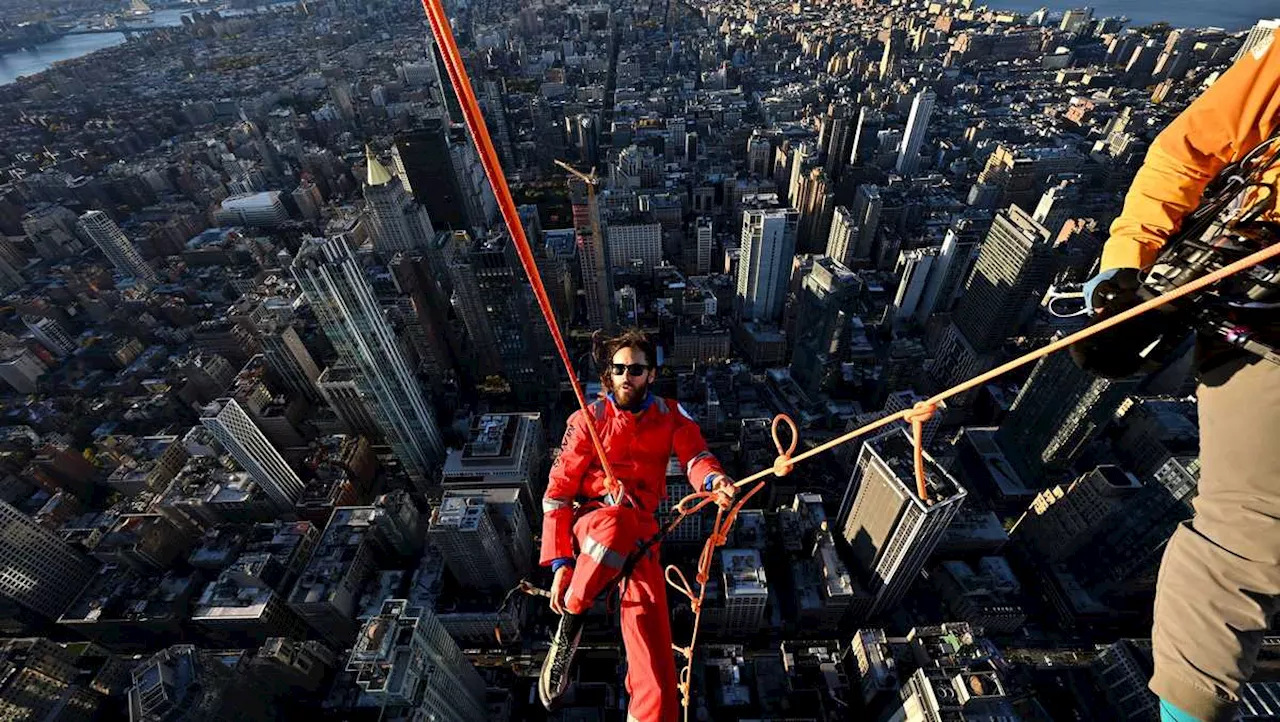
(242,438)
(21,369)
(746,591)
(252,209)
(917,126)
(764,267)
(116,246)
(633,245)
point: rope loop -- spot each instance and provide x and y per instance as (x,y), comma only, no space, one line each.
(782,464)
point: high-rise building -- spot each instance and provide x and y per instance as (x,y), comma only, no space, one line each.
(42,573)
(746,591)
(1260,35)
(842,241)
(836,137)
(464,531)
(289,359)
(890,529)
(704,231)
(759,155)
(264,210)
(50,334)
(405,662)
(236,432)
(52,230)
(803,158)
(1076,20)
(116,246)
(1064,518)
(1060,409)
(637,245)
(866,139)
(917,126)
(950,269)
(21,368)
(917,270)
(502,451)
(1056,205)
(340,391)
(1010,276)
(424,165)
(343,300)
(816,203)
(867,206)
(768,246)
(593,255)
(398,223)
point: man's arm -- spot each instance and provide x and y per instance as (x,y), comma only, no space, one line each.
(563,484)
(1239,111)
(700,466)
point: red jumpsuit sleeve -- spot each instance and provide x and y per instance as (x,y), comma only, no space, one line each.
(1239,111)
(563,484)
(691,449)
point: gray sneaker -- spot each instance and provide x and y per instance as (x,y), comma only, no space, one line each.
(557,668)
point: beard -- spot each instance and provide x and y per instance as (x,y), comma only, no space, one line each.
(630,392)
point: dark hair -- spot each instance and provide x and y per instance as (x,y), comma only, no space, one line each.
(605,348)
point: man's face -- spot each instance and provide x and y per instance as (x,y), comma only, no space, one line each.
(629,389)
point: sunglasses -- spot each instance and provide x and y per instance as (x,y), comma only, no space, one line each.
(630,369)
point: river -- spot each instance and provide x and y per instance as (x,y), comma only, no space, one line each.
(1232,14)
(34,60)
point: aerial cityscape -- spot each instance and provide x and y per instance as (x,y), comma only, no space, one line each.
(283,429)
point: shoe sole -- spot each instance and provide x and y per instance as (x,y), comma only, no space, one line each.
(549,700)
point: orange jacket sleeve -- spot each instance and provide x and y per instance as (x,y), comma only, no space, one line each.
(563,484)
(1236,113)
(691,449)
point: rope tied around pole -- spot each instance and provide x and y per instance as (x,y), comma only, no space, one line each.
(917,417)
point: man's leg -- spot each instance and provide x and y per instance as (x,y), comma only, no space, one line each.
(1220,576)
(646,635)
(605,537)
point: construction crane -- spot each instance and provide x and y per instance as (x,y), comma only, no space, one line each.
(596,272)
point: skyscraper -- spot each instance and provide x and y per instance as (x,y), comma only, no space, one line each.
(842,241)
(242,438)
(759,154)
(336,287)
(593,255)
(425,167)
(836,138)
(399,224)
(890,530)
(1011,274)
(43,574)
(406,662)
(866,136)
(804,157)
(1059,410)
(705,236)
(1057,204)
(917,126)
(116,246)
(338,388)
(52,230)
(746,591)
(289,359)
(867,205)
(768,246)
(464,531)
(917,270)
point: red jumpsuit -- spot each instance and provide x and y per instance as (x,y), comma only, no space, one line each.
(600,537)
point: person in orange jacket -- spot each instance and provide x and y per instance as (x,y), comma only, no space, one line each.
(587,537)
(1219,581)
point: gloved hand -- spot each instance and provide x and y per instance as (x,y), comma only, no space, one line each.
(1126,349)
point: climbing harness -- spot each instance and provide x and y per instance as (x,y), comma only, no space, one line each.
(1240,178)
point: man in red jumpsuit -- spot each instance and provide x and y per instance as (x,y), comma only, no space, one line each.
(586,539)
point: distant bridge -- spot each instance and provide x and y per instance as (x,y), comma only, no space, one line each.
(126,30)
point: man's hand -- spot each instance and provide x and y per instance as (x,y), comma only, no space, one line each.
(560,587)
(724,490)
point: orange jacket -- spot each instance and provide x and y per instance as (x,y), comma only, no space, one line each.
(638,446)
(1236,113)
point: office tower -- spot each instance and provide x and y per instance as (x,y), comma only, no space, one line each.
(842,241)
(597,281)
(890,530)
(496,305)
(704,230)
(803,158)
(674,139)
(894,45)
(1057,205)
(1064,518)
(52,231)
(465,533)
(406,663)
(309,200)
(423,295)
(866,136)
(1122,670)
(116,246)
(424,166)
(636,167)
(21,369)
(242,438)
(335,284)
(1260,35)
(746,591)
(503,451)
(1076,20)
(43,574)
(398,223)
(1016,174)
(1059,410)
(636,245)
(917,271)
(917,125)
(50,334)
(867,205)
(759,154)
(338,387)
(289,359)
(956,257)
(836,137)
(588,139)
(1010,276)
(823,307)
(767,248)
(816,203)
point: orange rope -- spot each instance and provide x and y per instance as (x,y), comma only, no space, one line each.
(498,181)
(784,463)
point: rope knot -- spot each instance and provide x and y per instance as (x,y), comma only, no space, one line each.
(782,464)
(920,413)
